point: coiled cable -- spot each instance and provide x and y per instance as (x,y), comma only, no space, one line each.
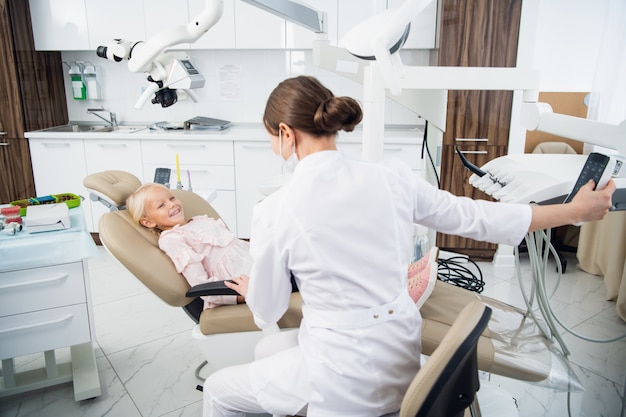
(456,271)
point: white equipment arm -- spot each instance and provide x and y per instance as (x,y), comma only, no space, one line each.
(164,68)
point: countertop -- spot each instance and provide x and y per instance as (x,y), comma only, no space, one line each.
(237,132)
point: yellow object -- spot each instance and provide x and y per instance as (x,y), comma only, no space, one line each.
(177,169)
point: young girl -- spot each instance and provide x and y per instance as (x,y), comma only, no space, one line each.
(202,248)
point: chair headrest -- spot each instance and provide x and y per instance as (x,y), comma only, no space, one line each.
(113,186)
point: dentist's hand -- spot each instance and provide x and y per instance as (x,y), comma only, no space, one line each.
(590,205)
(239,284)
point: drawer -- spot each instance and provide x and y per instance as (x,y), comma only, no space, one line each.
(35,289)
(409,153)
(189,152)
(203,177)
(28,333)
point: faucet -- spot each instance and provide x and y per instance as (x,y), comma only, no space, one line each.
(112,116)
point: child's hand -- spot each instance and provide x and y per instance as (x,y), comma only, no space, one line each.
(239,284)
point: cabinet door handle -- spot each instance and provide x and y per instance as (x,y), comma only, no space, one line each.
(255,147)
(37,325)
(471,139)
(4,144)
(3,133)
(34,282)
(56,144)
(474,152)
(111,145)
(178,146)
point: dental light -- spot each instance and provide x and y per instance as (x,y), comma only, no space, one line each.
(166,71)
(380,38)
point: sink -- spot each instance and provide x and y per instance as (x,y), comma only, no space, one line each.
(76,127)
(124,128)
(82,128)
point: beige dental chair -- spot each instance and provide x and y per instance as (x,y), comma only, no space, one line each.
(137,249)
(447,384)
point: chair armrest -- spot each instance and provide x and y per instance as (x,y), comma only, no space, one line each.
(210,288)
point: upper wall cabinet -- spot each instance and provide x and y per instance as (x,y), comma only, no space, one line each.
(59,25)
(159,15)
(86,24)
(298,37)
(257,29)
(423,27)
(222,34)
(115,19)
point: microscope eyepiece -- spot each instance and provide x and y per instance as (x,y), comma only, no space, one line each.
(101,51)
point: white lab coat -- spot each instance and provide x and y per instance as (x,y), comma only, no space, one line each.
(343,227)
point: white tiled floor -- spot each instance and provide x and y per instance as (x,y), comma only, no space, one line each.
(147,357)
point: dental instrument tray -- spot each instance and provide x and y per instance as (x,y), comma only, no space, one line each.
(72,200)
(206,123)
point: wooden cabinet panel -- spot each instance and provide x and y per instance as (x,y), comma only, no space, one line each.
(32,97)
(455,178)
(480,33)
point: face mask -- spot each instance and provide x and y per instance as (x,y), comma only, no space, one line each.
(291,162)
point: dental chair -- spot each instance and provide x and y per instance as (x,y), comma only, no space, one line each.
(137,249)
(510,346)
(447,383)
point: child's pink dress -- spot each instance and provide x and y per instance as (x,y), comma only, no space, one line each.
(204,250)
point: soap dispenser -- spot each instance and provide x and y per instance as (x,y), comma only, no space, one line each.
(79,91)
(91,80)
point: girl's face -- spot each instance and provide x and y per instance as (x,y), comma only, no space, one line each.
(163,210)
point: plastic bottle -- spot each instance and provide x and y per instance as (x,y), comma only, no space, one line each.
(79,91)
(91,79)
(421,244)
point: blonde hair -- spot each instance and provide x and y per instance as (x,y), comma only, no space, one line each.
(136,203)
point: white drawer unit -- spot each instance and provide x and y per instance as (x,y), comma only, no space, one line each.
(189,152)
(41,288)
(203,177)
(44,330)
(409,153)
(45,305)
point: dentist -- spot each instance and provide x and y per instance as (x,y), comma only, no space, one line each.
(343,228)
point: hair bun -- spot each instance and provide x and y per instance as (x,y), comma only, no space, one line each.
(338,113)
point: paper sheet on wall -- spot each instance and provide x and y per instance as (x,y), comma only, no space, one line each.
(230,82)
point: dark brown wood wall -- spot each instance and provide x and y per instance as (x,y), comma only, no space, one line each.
(476,33)
(32,96)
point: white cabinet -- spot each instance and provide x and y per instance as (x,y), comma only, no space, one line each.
(222,34)
(209,164)
(423,27)
(104,155)
(59,25)
(298,37)
(349,14)
(161,15)
(114,19)
(257,29)
(254,162)
(59,167)
(45,304)
(408,153)
(44,308)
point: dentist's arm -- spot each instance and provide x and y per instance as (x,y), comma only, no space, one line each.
(588,205)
